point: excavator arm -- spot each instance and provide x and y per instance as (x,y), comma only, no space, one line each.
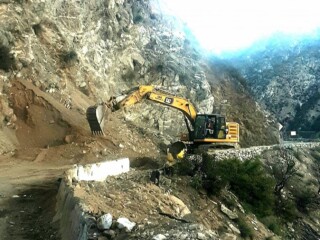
(96,114)
(204,129)
(178,103)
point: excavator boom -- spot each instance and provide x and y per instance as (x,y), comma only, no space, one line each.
(176,102)
(96,114)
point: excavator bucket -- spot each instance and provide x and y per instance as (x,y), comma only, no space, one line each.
(176,151)
(95,117)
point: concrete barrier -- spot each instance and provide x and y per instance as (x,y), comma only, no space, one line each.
(98,171)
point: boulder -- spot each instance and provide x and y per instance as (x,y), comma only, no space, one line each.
(181,208)
(159,237)
(105,221)
(125,223)
(231,214)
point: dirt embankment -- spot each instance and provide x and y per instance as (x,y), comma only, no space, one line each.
(42,137)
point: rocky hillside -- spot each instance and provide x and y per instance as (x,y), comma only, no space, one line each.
(283,73)
(246,202)
(58,57)
(101,48)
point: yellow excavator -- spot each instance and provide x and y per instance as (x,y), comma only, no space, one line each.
(204,130)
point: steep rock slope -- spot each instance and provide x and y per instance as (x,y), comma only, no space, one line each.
(101,48)
(283,73)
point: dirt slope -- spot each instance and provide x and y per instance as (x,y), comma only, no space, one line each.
(44,137)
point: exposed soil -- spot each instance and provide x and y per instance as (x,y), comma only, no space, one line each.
(49,138)
(38,123)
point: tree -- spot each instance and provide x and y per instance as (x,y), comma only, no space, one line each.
(284,170)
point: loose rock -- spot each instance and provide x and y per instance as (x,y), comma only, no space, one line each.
(232,215)
(105,221)
(159,237)
(125,223)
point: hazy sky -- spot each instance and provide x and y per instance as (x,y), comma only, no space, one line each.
(233,24)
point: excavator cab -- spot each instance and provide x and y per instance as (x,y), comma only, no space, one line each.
(210,126)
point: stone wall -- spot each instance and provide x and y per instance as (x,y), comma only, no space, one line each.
(251,152)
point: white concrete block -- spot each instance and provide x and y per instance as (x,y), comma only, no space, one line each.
(100,171)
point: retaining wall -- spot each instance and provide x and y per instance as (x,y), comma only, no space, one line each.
(70,211)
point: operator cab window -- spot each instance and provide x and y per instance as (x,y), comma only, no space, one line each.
(221,128)
(207,126)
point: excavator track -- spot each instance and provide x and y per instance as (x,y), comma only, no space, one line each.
(95,117)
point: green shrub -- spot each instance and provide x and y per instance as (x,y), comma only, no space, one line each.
(248,180)
(229,201)
(273,223)
(6,59)
(213,181)
(160,67)
(245,229)
(69,58)
(137,19)
(303,198)
(185,167)
(286,208)
(196,181)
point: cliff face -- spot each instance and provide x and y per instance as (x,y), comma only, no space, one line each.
(101,48)
(283,73)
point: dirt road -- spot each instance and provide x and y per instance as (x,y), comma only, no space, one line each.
(27,198)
